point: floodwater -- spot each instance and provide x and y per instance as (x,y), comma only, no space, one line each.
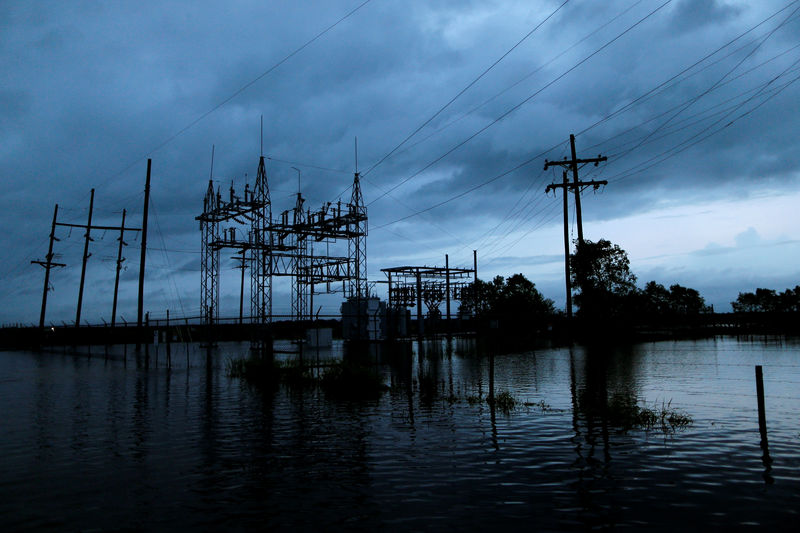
(100,441)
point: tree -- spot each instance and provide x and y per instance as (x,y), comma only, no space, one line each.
(685,301)
(515,301)
(520,299)
(479,298)
(768,301)
(656,299)
(603,280)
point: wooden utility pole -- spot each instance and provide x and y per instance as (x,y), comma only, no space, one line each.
(565,186)
(48,264)
(88,227)
(86,255)
(144,247)
(577,186)
(120,260)
(242,267)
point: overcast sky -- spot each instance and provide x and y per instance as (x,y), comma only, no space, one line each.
(694,102)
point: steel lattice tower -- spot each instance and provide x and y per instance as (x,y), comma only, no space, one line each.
(299,263)
(261,257)
(357,243)
(209,281)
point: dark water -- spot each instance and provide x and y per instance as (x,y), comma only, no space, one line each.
(96,443)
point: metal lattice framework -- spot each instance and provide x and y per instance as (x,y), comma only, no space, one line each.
(263,245)
(283,247)
(209,280)
(357,245)
(409,286)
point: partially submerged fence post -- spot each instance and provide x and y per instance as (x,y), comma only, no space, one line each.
(762,417)
(762,426)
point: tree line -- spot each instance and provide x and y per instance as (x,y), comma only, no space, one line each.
(606,295)
(768,301)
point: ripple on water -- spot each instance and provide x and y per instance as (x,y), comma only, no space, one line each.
(90,444)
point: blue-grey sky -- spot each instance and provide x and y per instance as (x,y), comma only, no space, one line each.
(694,102)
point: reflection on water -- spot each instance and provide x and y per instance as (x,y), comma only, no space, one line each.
(119,440)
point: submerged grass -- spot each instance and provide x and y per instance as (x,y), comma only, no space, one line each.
(339,379)
(503,400)
(625,412)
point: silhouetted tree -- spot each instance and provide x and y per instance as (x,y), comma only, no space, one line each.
(601,276)
(768,301)
(479,298)
(520,300)
(655,301)
(515,301)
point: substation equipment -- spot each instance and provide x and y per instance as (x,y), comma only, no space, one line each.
(299,243)
(413,286)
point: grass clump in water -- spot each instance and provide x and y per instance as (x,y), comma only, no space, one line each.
(625,412)
(352,381)
(473,400)
(341,379)
(541,404)
(257,371)
(503,400)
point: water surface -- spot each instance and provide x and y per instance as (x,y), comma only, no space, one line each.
(114,441)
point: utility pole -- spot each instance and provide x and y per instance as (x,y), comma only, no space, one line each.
(120,260)
(243,266)
(48,264)
(577,186)
(565,186)
(86,255)
(144,247)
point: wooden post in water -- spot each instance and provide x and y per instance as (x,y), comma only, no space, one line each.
(762,427)
(762,417)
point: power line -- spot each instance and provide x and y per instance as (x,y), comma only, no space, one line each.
(523,102)
(715,84)
(239,91)
(644,96)
(527,76)
(672,152)
(465,89)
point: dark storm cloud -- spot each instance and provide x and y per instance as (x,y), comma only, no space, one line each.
(92,89)
(691,15)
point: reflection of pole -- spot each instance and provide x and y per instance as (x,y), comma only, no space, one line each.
(492,406)
(85,257)
(420,324)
